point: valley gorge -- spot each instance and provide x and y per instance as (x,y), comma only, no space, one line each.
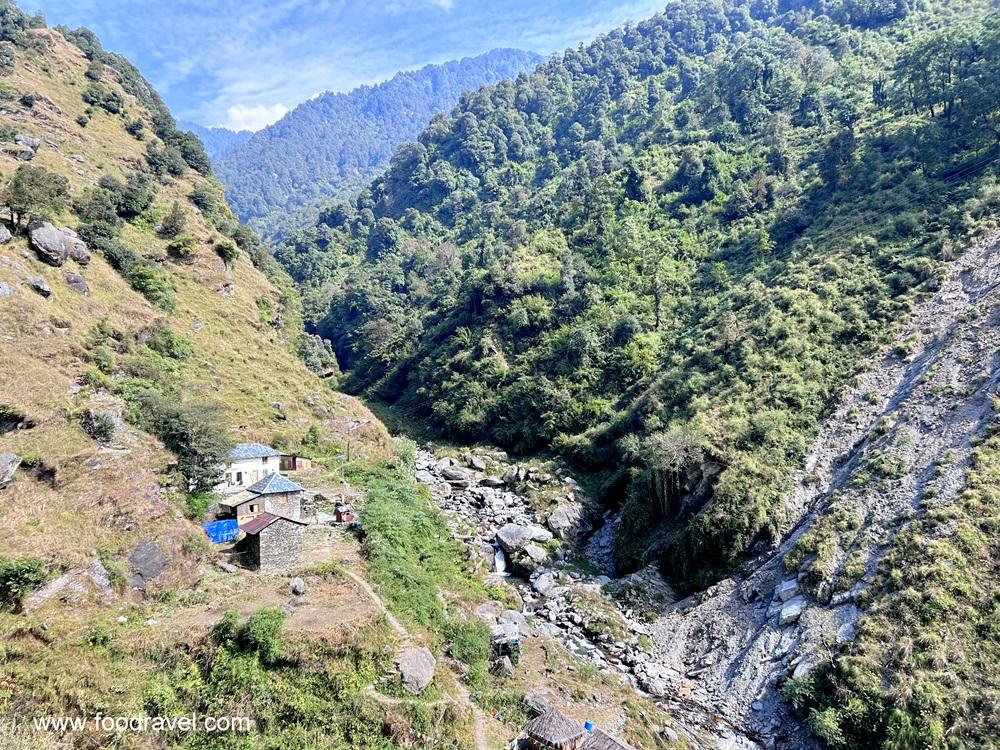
(646,394)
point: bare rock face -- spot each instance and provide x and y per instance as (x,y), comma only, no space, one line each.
(416,668)
(19,151)
(148,561)
(8,465)
(54,246)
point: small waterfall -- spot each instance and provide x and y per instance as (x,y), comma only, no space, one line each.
(499,560)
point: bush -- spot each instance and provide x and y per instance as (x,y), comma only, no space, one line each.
(99,426)
(133,196)
(173,223)
(153,285)
(34,192)
(260,634)
(183,248)
(227,251)
(136,129)
(18,578)
(193,432)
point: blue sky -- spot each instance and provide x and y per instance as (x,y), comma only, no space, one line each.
(242,63)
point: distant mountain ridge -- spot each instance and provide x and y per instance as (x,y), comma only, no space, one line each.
(218,141)
(334,144)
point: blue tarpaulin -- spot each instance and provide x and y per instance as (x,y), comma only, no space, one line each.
(222,531)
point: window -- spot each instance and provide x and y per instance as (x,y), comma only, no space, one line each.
(264,460)
(239,477)
(254,508)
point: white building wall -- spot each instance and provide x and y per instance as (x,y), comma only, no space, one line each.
(241,474)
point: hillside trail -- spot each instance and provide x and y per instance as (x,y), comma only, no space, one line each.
(907,426)
(464,697)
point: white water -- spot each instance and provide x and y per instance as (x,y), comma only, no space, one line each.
(500,562)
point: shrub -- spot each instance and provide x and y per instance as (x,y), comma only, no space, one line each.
(136,128)
(18,578)
(192,431)
(29,98)
(183,248)
(227,251)
(260,634)
(101,427)
(153,285)
(133,196)
(173,223)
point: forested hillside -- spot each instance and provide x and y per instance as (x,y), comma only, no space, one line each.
(333,144)
(218,141)
(663,253)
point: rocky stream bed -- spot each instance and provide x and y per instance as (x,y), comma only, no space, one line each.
(534,529)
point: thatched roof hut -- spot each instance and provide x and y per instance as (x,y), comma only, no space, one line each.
(553,731)
(598,740)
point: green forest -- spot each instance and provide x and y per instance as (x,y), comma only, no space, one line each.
(661,254)
(333,144)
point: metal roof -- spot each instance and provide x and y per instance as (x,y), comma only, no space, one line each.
(273,484)
(251,450)
(259,523)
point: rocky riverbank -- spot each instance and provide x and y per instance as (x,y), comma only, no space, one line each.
(532,528)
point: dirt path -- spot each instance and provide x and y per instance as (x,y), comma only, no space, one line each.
(395,624)
(464,698)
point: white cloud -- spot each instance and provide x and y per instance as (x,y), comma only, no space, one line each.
(446,4)
(253,116)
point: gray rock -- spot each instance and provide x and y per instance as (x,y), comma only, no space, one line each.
(19,151)
(8,465)
(100,577)
(121,620)
(536,553)
(536,701)
(5,290)
(298,586)
(477,463)
(456,474)
(298,601)
(515,618)
(416,668)
(544,584)
(513,537)
(791,612)
(787,589)
(5,235)
(487,612)
(76,282)
(669,734)
(229,568)
(148,561)
(506,667)
(566,521)
(491,482)
(26,140)
(40,285)
(54,246)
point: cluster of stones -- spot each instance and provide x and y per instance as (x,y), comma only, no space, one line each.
(482,494)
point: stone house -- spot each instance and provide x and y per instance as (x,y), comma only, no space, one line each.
(246,464)
(272,544)
(274,493)
(554,730)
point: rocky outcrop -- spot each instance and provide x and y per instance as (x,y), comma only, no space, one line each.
(8,465)
(55,246)
(39,285)
(148,561)
(5,235)
(416,669)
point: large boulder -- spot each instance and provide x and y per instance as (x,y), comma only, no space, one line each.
(30,141)
(54,246)
(513,536)
(8,465)
(5,290)
(5,235)
(18,151)
(416,668)
(148,561)
(76,282)
(567,520)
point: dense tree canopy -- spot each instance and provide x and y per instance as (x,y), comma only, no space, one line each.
(698,225)
(333,144)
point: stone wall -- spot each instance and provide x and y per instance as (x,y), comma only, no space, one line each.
(286,504)
(280,547)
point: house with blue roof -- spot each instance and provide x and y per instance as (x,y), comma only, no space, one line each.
(275,494)
(246,464)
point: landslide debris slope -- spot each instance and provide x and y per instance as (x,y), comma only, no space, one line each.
(888,472)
